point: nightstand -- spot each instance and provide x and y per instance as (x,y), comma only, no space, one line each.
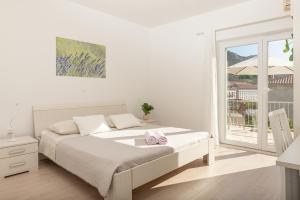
(18,156)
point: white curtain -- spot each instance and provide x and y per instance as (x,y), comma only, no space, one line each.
(212,63)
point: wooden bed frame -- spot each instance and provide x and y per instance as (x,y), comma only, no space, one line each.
(124,182)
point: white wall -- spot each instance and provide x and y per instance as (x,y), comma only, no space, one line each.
(180,71)
(296,14)
(176,81)
(27,52)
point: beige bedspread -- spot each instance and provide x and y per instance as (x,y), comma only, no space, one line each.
(98,157)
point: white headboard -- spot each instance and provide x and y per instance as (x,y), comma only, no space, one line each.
(46,115)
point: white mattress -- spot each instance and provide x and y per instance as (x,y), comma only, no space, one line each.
(178,138)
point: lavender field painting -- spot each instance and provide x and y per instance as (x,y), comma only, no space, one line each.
(81,59)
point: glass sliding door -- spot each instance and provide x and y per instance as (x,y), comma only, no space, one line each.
(279,82)
(255,77)
(242,93)
(239,89)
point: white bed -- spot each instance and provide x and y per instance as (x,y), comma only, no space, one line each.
(117,162)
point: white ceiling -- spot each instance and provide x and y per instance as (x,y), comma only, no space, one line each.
(156,12)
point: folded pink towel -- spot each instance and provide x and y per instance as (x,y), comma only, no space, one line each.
(151,138)
(160,136)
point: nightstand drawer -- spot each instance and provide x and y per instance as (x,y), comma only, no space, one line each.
(18,150)
(18,164)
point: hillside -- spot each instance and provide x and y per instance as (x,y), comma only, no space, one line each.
(234,58)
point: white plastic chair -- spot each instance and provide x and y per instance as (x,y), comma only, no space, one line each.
(281,130)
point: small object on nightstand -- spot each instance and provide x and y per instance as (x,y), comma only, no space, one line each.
(11,135)
(149,121)
(18,156)
(147,108)
(10,131)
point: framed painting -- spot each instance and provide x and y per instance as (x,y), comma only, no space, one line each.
(80,59)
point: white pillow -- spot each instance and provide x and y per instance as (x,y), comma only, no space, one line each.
(64,127)
(125,121)
(91,124)
(109,122)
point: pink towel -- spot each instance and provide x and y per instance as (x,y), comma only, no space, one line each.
(160,136)
(151,138)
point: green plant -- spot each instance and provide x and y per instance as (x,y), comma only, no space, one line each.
(147,108)
(291,124)
(289,49)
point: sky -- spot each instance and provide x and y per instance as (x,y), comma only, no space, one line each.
(275,49)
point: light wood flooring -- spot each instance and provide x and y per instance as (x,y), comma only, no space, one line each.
(236,175)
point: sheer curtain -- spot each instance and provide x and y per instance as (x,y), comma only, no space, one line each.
(212,63)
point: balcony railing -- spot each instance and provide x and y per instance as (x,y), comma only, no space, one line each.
(244,112)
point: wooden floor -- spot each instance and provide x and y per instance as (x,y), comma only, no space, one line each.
(236,175)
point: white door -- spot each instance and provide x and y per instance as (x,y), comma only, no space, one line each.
(278,82)
(255,77)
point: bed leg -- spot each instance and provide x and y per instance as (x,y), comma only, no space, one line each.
(210,157)
(121,188)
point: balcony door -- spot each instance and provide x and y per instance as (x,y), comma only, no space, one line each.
(255,77)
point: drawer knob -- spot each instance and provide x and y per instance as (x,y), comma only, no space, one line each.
(17,151)
(14,165)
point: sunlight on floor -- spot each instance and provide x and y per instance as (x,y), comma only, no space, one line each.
(245,134)
(228,161)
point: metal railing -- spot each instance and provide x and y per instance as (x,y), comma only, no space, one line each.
(288,106)
(244,112)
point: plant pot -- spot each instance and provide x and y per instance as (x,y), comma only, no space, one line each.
(146,117)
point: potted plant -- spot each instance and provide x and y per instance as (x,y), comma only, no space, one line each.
(147,108)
